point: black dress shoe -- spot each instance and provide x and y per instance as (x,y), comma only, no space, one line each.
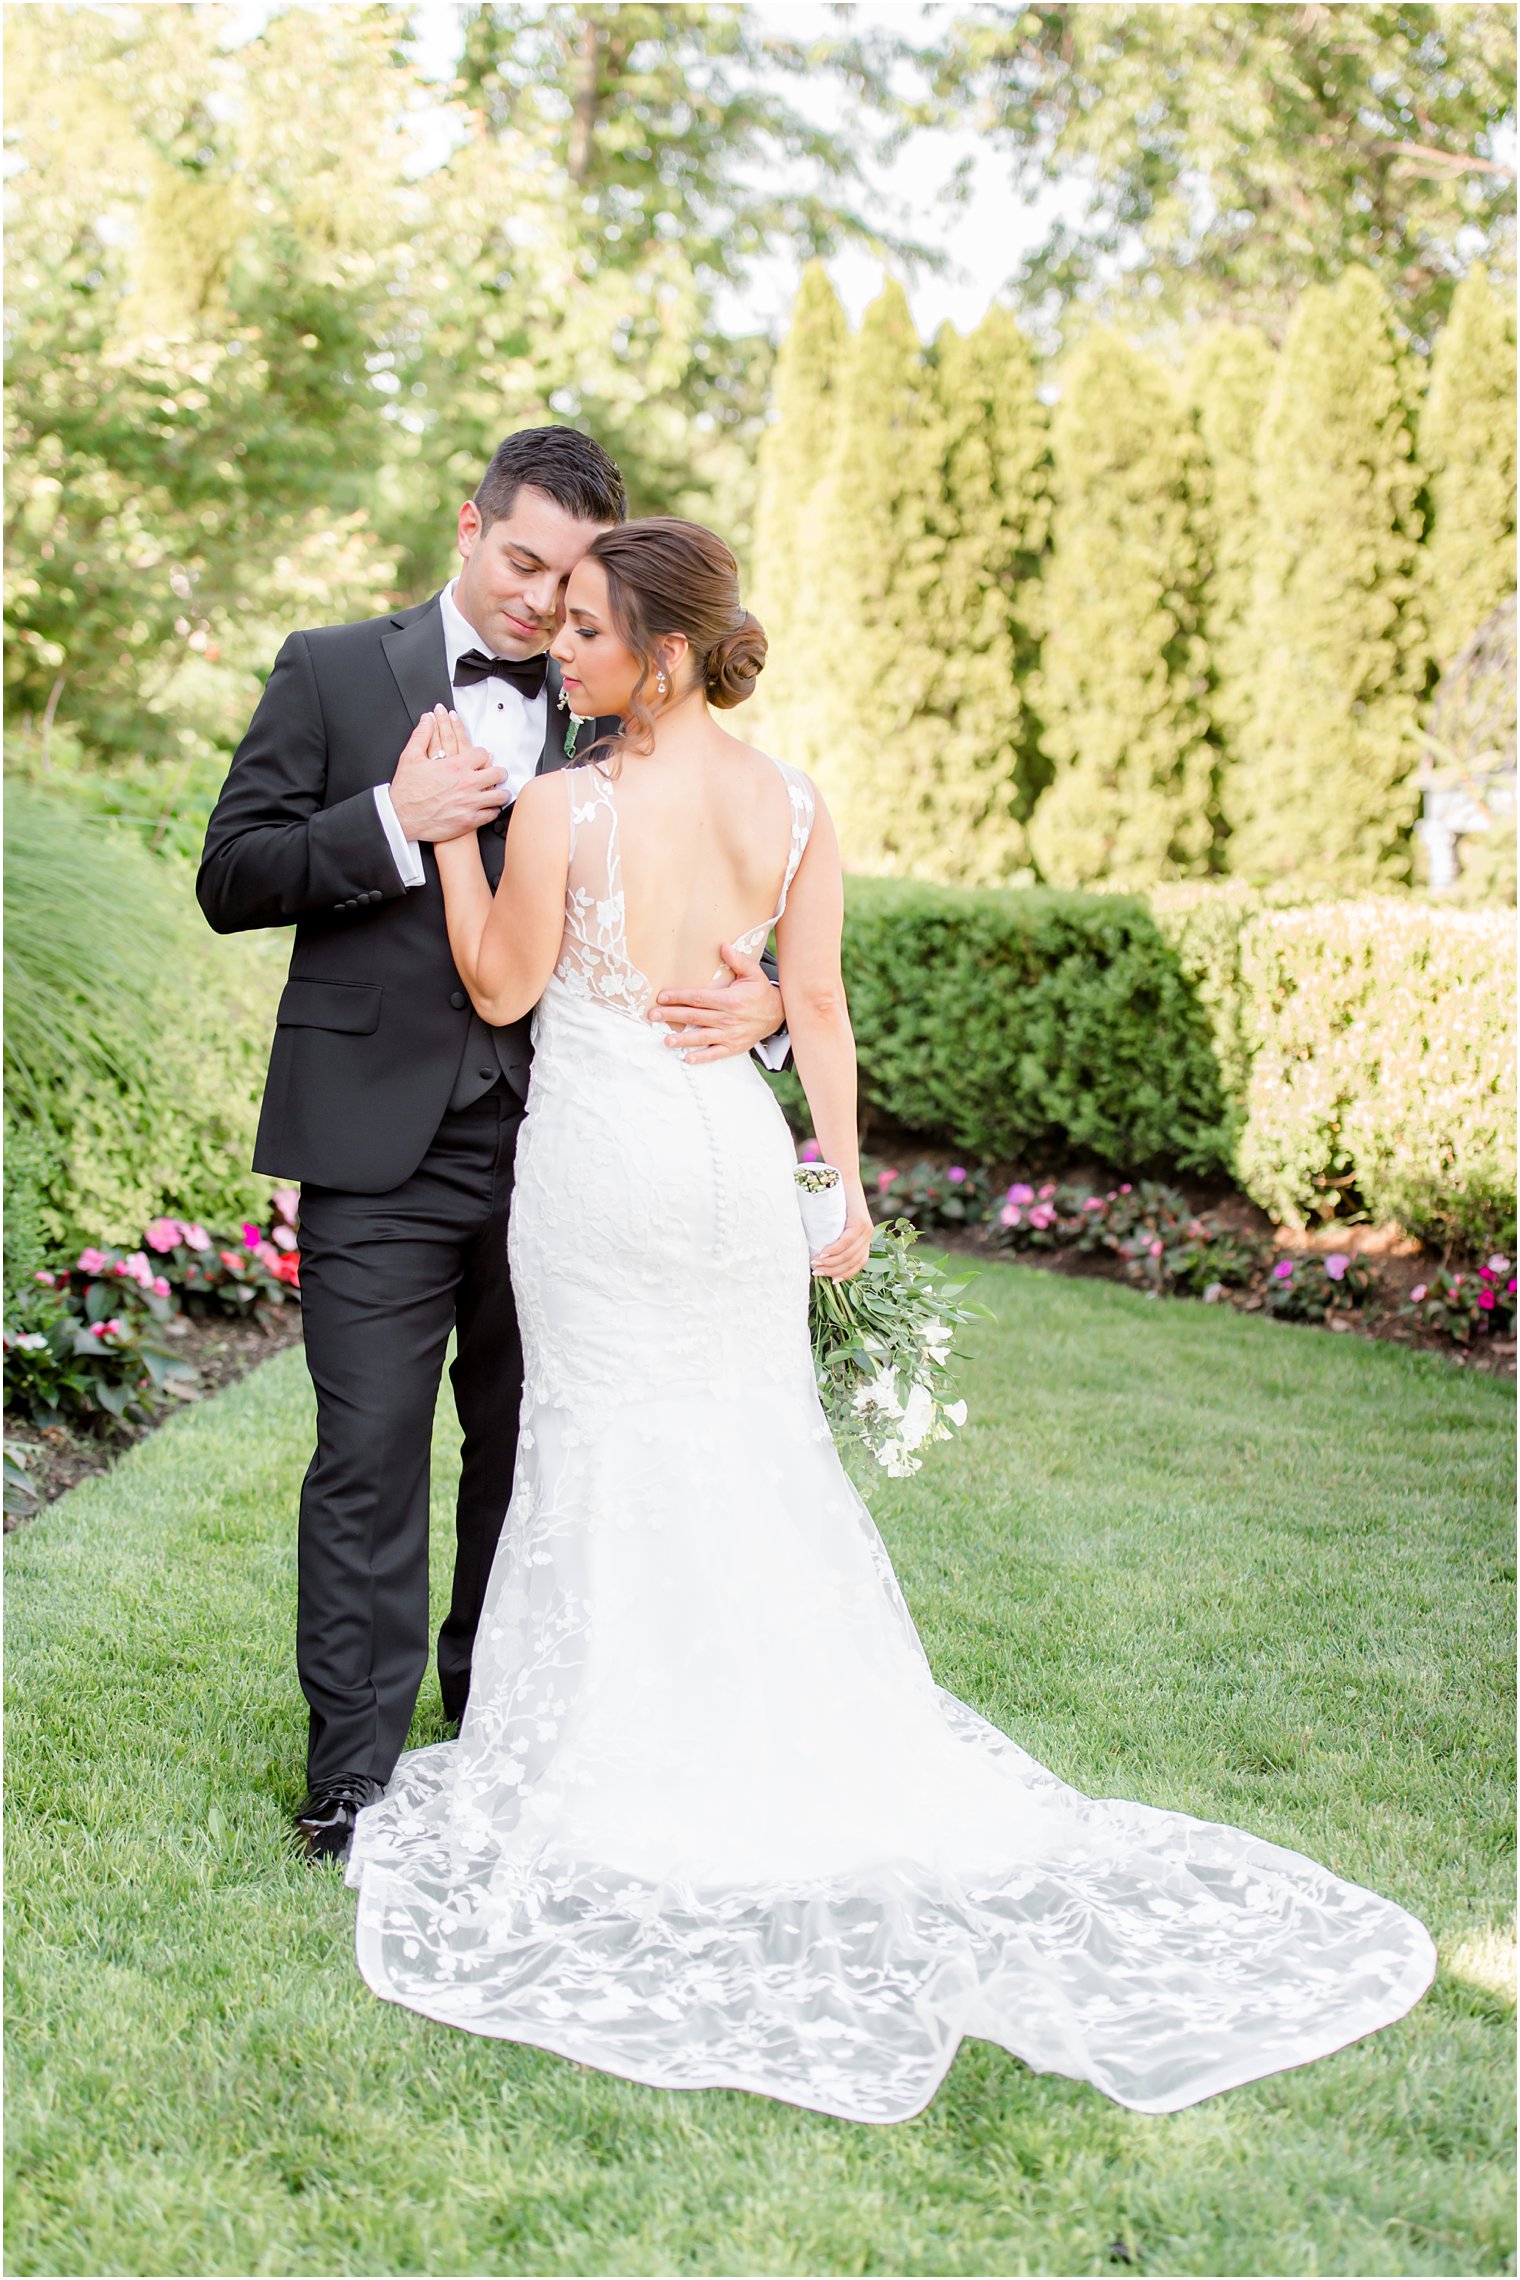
(325,1823)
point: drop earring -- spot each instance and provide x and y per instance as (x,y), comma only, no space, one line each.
(660,684)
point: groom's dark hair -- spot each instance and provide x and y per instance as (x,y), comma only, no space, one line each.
(568,467)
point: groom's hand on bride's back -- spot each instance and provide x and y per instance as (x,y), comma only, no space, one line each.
(735,1017)
(442,795)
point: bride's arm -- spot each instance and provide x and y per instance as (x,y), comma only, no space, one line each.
(823,1043)
(505,946)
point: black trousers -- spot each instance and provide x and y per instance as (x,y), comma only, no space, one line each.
(384,1278)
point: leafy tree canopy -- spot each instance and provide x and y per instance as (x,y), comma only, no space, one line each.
(1235,153)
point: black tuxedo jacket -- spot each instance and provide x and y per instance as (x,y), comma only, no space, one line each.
(372,1022)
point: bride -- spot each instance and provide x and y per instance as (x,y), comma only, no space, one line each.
(709,1820)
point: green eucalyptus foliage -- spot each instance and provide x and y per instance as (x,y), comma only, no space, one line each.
(1467,444)
(1322,783)
(1123,685)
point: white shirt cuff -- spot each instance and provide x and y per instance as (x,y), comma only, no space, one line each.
(405,852)
(772,1051)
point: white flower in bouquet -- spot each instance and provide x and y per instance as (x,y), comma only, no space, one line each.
(882,1348)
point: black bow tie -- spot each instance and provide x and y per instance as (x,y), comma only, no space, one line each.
(525,673)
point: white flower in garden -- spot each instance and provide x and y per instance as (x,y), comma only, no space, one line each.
(896,1461)
(956,1412)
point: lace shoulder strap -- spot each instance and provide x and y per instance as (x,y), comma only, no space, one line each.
(804,808)
(594,951)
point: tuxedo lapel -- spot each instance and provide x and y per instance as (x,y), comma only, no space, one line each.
(415,652)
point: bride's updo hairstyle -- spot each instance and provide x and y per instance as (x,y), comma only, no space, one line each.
(668,576)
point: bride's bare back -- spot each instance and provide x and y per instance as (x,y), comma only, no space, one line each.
(672,858)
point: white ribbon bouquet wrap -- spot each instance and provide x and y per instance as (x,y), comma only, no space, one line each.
(882,1341)
(820,1192)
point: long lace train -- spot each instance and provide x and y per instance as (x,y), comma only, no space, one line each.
(710,1821)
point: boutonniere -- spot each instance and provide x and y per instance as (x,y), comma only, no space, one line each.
(577,723)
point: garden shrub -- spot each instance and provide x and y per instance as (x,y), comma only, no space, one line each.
(1005,1021)
(135,1040)
(1327,1055)
(1382,1066)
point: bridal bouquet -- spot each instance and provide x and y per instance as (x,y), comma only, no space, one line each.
(881,1350)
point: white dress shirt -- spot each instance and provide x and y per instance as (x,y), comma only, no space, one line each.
(496,716)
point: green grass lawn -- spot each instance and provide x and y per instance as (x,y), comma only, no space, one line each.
(1183,1555)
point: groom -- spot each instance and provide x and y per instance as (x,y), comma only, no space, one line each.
(395,1106)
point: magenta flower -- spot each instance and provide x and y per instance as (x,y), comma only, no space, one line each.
(160,1286)
(195,1235)
(1156,1248)
(1487,1301)
(162,1235)
(115,1328)
(91,1261)
(1509,1286)
(1093,1203)
(811,1153)
(1336,1264)
(1048,1189)
(1041,1216)
(252,1236)
(1282,1270)
(885,1181)
(1125,1189)
(957,1173)
(43,1276)
(1019,1193)
(1417,1294)
(1010,1215)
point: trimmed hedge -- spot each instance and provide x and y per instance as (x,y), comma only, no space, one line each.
(1327,1055)
(1013,1022)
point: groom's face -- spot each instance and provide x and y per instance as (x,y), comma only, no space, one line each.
(514,571)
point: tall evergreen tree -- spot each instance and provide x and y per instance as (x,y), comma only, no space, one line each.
(1122,688)
(1467,444)
(1229,376)
(954,798)
(878,561)
(796,462)
(1323,786)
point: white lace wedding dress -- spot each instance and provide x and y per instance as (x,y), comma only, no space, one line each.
(710,1821)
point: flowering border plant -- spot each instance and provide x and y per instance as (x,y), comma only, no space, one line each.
(89,1339)
(882,1351)
(1478,1303)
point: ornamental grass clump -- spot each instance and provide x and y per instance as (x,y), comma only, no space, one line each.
(882,1351)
